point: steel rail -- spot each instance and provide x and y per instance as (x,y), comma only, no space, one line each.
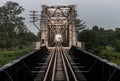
(65,68)
(59,52)
(73,73)
(54,67)
(49,65)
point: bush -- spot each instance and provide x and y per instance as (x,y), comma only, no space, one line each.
(106,54)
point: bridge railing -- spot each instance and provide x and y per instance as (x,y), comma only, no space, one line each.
(20,70)
(95,68)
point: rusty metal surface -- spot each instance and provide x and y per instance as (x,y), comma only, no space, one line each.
(58,20)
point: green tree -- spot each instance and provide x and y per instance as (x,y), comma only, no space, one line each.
(79,24)
(3,39)
(27,38)
(96,38)
(88,36)
(11,23)
(95,28)
(117,45)
(117,33)
(116,40)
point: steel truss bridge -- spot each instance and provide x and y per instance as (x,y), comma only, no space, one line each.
(59,58)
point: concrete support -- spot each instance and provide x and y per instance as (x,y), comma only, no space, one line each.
(43,25)
(74,38)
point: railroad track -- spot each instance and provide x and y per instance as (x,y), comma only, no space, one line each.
(59,68)
(60,65)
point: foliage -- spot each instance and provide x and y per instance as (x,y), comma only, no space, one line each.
(110,55)
(79,24)
(2,44)
(96,37)
(104,43)
(11,22)
(13,32)
(27,37)
(117,45)
(106,54)
(88,37)
(117,33)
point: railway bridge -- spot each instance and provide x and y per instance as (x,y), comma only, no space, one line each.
(59,57)
(55,21)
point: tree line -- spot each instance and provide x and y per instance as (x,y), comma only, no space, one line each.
(104,43)
(13,31)
(98,37)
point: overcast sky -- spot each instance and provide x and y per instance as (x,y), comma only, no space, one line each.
(104,13)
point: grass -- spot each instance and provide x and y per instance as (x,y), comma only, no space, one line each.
(13,54)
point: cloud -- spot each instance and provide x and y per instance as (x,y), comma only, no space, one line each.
(102,12)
